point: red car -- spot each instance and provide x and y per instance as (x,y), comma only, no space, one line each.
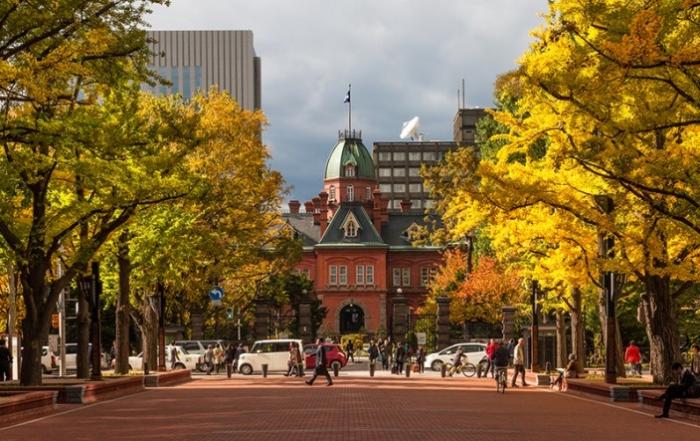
(334,355)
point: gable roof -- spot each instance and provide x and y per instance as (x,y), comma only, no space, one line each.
(394,230)
(367,235)
(303,224)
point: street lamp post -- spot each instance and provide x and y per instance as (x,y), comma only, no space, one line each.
(534,330)
(161,327)
(91,288)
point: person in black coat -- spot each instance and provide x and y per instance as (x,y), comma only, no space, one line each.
(400,358)
(321,368)
(687,387)
(5,361)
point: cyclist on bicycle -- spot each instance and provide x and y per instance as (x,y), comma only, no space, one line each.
(501,357)
(457,360)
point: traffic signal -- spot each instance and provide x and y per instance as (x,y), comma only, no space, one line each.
(229,313)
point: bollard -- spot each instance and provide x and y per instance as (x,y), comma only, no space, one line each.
(443,370)
(371,369)
(336,369)
(145,368)
(264,370)
(548,367)
(408,370)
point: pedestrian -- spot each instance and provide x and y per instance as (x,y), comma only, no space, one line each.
(240,349)
(229,357)
(390,349)
(294,361)
(218,357)
(350,350)
(511,349)
(299,360)
(321,368)
(420,358)
(383,356)
(633,356)
(457,361)
(209,359)
(695,360)
(400,357)
(490,350)
(519,361)
(174,358)
(373,352)
(5,361)
(501,358)
(687,387)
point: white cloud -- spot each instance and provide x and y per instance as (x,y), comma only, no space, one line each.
(403,58)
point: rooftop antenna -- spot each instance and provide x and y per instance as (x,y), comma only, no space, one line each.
(410,129)
(464,100)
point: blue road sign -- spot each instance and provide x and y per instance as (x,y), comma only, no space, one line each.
(216,294)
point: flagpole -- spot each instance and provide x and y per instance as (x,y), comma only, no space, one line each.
(349,110)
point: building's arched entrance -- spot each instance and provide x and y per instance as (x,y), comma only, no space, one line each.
(352,319)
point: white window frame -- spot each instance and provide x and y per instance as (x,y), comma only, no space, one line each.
(342,275)
(428,156)
(331,192)
(350,192)
(384,172)
(368,193)
(333,275)
(399,187)
(350,229)
(406,276)
(399,156)
(399,172)
(396,276)
(369,275)
(413,172)
(350,171)
(414,187)
(359,275)
(385,188)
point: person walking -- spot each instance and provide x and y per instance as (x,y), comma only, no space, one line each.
(457,361)
(420,359)
(350,350)
(373,352)
(174,357)
(390,349)
(218,357)
(240,349)
(209,359)
(490,350)
(400,357)
(299,359)
(633,356)
(229,357)
(383,356)
(695,360)
(519,361)
(687,387)
(5,361)
(321,368)
(511,349)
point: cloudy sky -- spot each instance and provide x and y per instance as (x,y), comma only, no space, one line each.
(403,58)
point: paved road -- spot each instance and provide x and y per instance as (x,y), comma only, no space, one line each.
(280,409)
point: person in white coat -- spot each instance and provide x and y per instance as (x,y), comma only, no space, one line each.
(519,361)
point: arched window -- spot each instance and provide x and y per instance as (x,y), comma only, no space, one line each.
(351,229)
(350,193)
(349,170)
(331,193)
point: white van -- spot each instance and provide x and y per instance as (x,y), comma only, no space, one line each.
(273,353)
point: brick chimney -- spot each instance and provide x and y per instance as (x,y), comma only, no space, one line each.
(294,207)
(317,210)
(406,206)
(309,207)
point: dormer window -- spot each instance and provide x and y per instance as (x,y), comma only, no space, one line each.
(350,226)
(349,170)
(410,232)
(350,190)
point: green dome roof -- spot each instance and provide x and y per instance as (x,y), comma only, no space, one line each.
(349,151)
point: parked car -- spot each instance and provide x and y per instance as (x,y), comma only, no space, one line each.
(334,356)
(274,353)
(48,360)
(186,360)
(197,347)
(474,353)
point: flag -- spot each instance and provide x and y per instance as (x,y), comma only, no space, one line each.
(347,96)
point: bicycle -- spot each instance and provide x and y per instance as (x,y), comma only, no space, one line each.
(467,369)
(501,380)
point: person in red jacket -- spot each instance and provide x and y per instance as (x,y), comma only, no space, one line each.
(490,350)
(633,356)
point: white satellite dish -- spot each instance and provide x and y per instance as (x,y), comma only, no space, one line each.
(410,129)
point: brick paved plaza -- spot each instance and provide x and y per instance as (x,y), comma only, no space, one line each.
(355,408)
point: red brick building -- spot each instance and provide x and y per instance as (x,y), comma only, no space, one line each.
(358,254)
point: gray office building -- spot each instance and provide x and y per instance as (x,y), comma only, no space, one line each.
(199,60)
(398,163)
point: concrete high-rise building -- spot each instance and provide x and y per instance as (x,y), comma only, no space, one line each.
(398,162)
(200,60)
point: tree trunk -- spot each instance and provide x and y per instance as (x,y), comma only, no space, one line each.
(578,340)
(561,338)
(82,357)
(619,352)
(661,327)
(148,325)
(35,332)
(122,319)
